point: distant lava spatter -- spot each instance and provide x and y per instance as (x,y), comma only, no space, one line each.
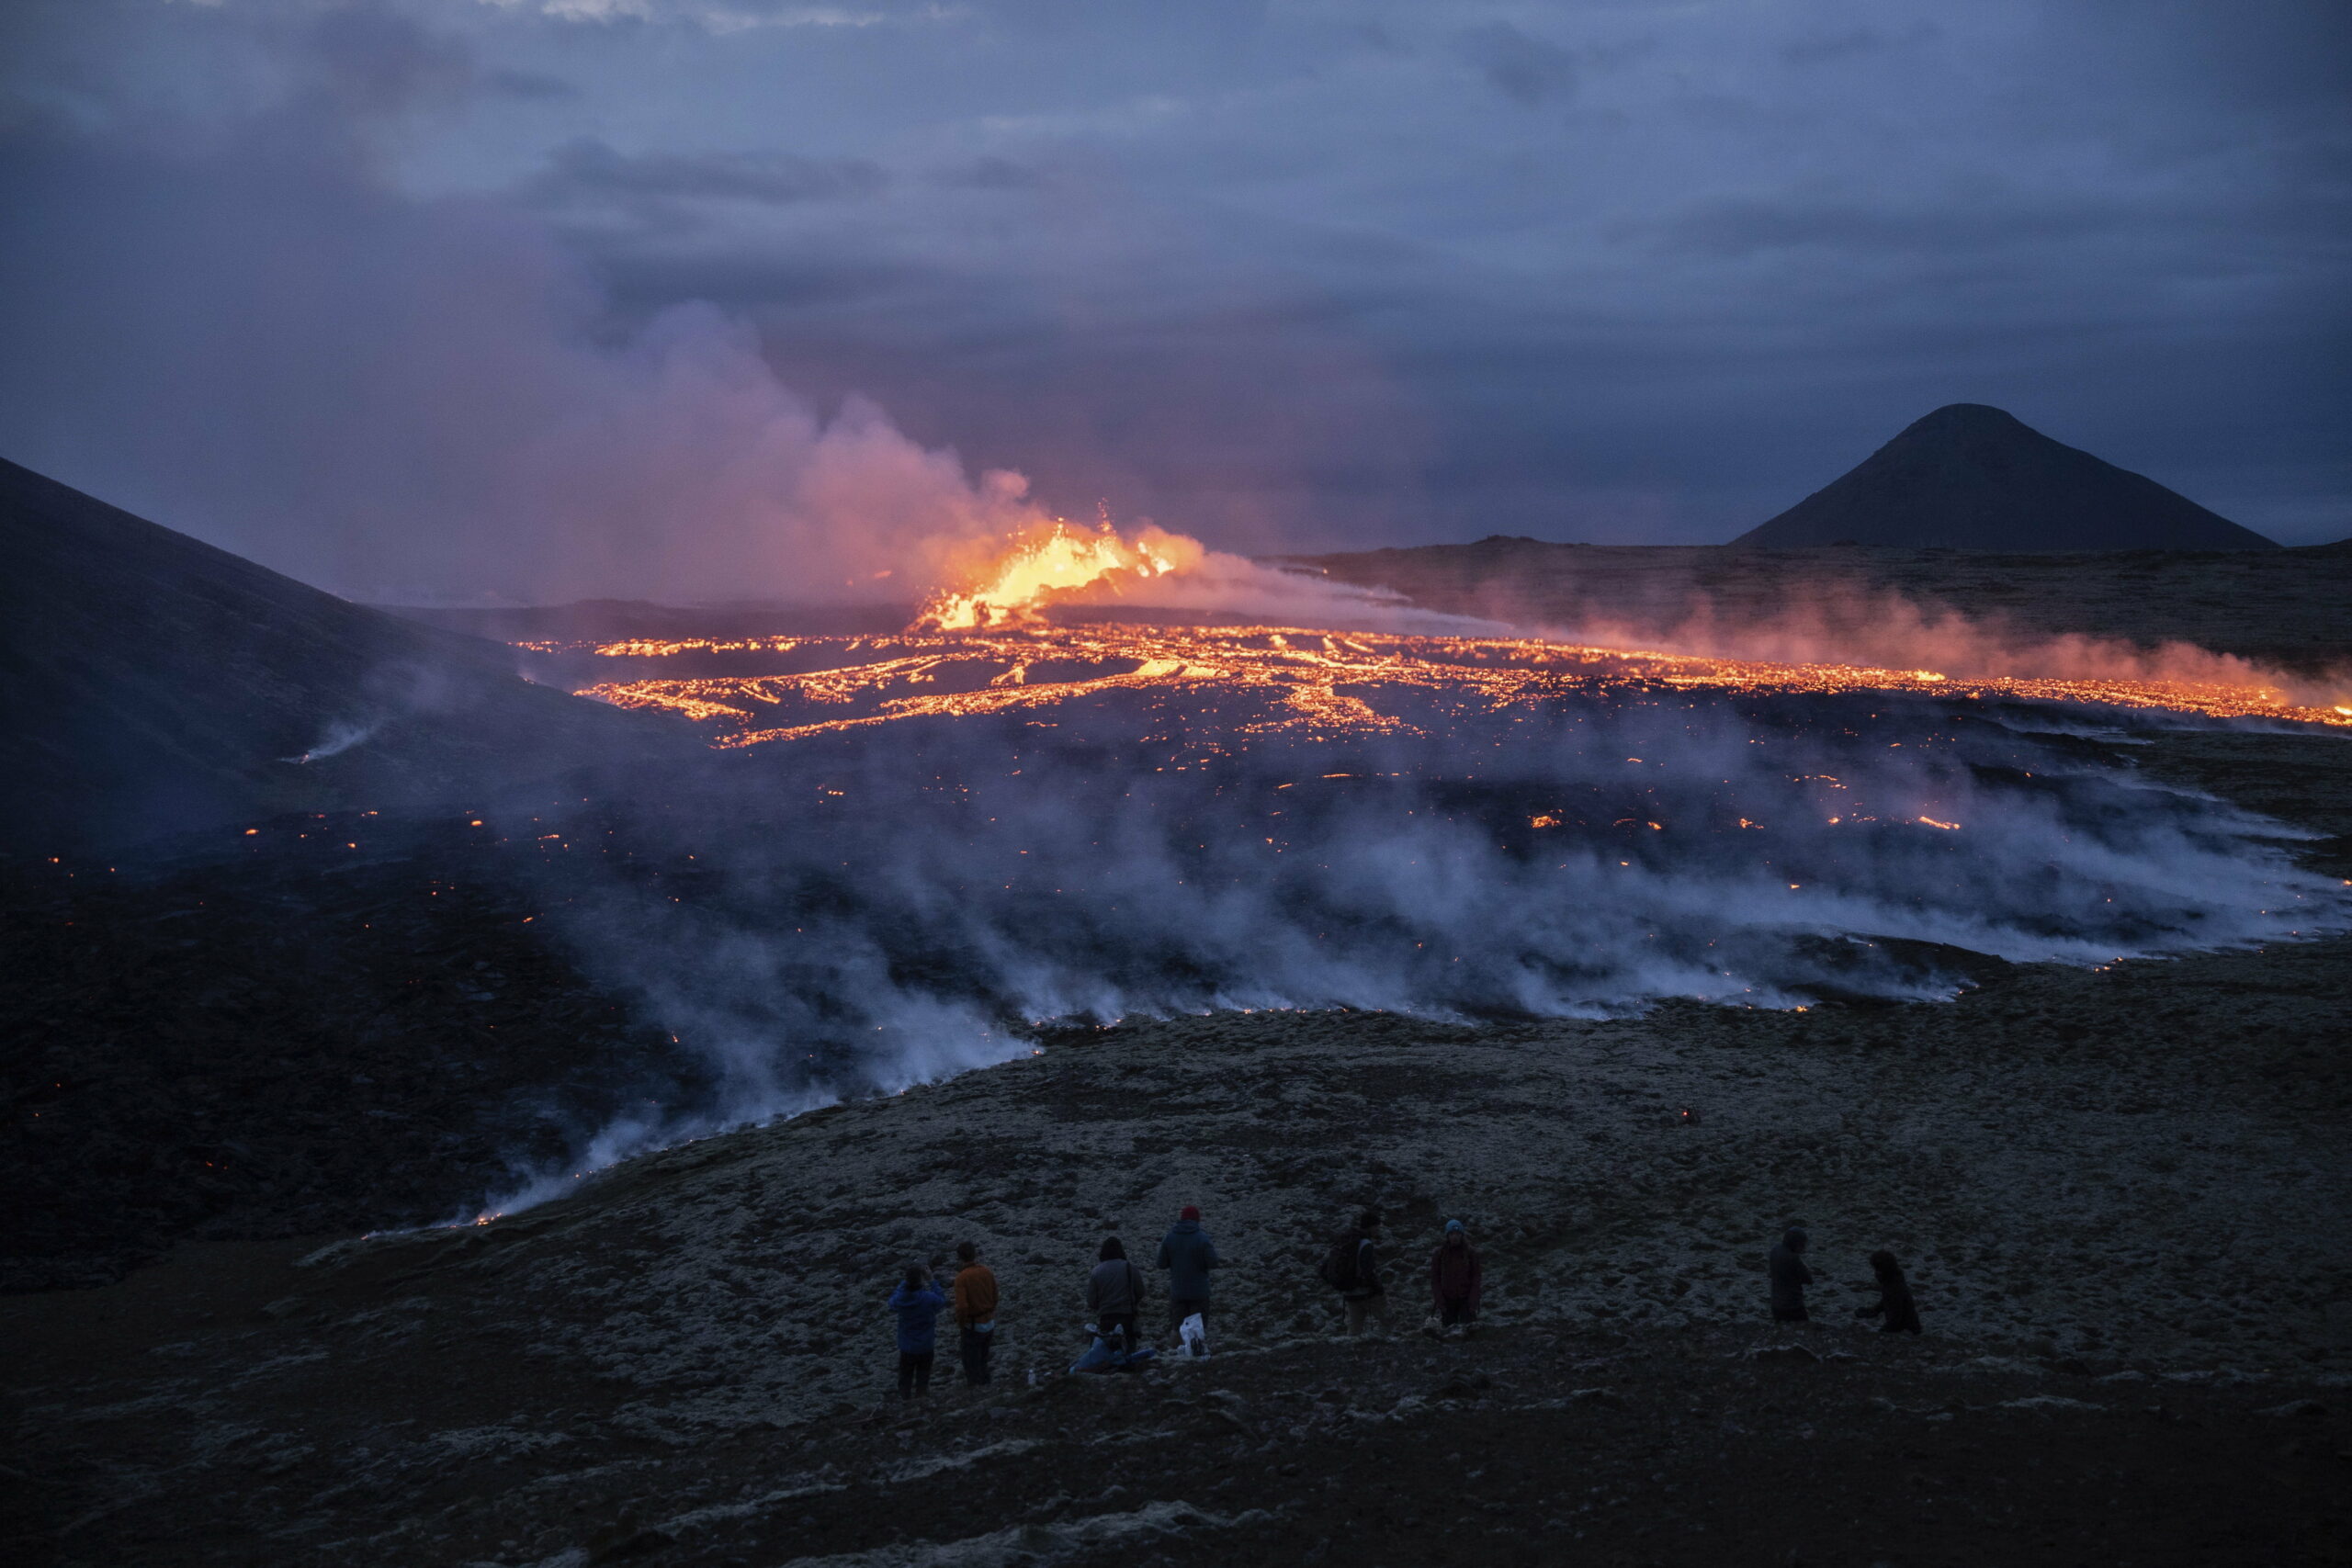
(1974,477)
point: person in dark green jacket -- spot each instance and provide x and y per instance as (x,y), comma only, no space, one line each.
(1785,1263)
(1188,1255)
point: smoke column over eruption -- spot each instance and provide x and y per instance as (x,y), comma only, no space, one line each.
(419,398)
(835,917)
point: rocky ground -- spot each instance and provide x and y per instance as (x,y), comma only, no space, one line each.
(2121,1194)
(333,1021)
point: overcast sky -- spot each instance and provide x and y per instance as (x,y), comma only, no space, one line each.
(691,297)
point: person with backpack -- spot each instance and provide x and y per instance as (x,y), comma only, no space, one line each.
(1352,1268)
(1790,1277)
(1188,1255)
(916,1302)
(1115,1294)
(1894,1304)
(1456,1277)
(975,1298)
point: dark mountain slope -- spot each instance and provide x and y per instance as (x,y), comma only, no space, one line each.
(1972,478)
(151,683)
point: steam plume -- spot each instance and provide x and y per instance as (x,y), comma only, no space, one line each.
(840,917)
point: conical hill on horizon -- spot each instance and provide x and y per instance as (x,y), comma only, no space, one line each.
(156,684)
(1971,477)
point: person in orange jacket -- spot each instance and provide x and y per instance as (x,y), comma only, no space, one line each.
(975,1300)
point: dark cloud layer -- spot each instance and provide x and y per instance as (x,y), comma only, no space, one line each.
(568,295)
(1525,70)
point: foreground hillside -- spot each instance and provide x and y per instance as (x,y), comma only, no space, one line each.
(2120,1192)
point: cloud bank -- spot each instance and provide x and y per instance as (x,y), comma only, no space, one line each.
(438,296)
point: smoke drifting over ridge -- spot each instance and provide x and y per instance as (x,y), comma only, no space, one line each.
(1836,623)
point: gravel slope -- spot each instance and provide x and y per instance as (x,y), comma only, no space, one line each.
(2121,1194)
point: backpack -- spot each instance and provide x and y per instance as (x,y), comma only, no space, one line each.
(1339,1263)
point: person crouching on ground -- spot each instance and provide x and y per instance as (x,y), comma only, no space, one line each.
(975,1298)
(1895,1303)
(1455,1278)
(1790,1277)
(917,1303)
(1188,1255)
(1113,1294)
(1352,1267)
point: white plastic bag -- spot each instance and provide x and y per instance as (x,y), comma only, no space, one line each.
(1195,1336)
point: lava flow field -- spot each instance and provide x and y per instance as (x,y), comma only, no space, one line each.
(1321,684)
(910,853)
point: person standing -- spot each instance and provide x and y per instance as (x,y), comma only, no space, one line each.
(1113,1294)
(975,1298)
(916,1302)
(1188,1255)
(1894,1304)
(1456,1277)
(1790,1277)
(1352,1267)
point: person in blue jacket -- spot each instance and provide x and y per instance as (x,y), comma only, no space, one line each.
(916,1302)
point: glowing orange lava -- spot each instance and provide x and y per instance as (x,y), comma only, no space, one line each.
(1052,560)
(1269,679)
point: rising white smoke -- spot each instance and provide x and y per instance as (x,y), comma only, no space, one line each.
(840,917)
(339,736)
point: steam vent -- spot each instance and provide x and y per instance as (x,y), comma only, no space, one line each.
(1970,477)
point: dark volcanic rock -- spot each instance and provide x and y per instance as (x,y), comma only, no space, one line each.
(153,683)
(1972,478)
(342,1022)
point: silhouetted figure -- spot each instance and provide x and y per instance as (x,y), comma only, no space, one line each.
(1455,1277)
(1113,1294)
(917,1303)
(1352,1268)
(1790,1277)
(975,1297)
(1894,1304)
(1188,1255)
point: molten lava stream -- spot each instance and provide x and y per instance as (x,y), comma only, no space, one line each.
(1316,680)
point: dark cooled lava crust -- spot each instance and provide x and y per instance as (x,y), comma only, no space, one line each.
(333,1024)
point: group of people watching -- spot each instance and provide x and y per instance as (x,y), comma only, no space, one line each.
(1116,1290)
